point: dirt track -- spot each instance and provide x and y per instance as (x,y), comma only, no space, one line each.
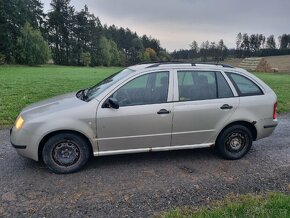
(141,185)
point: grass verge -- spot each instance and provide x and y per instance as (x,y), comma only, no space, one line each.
(21,85)
(280,83)
(270,205)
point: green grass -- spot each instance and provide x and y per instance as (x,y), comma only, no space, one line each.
(20,85)
(272,205)
(280,83)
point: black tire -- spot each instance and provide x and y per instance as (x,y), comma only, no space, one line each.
(66,153)
(234,142)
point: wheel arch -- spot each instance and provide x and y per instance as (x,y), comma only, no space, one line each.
(57,132)
(250,126)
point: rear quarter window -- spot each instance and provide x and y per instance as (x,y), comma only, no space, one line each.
(243,85)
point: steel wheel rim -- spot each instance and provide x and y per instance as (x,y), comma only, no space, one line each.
(66,153)
(236,142)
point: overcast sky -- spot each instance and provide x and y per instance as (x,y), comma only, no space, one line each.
(176,23)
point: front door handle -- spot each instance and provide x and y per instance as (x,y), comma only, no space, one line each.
(163,111)
(226,106)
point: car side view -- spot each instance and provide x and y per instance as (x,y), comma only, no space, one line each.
(149,107)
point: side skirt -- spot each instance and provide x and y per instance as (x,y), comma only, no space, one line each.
(141,150)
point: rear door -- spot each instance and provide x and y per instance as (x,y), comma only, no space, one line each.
(205,101)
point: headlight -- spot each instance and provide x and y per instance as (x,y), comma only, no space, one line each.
(19,122)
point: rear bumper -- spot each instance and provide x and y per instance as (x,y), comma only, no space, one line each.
(271,126)
(265,127)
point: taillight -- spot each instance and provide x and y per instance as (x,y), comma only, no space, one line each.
(275,111)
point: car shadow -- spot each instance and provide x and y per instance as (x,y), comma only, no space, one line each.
(141,160)
(152,158)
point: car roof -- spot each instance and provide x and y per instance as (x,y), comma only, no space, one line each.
(162,65)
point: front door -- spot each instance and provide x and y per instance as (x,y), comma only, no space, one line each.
(144,118)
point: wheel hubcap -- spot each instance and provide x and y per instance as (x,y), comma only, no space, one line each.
(236,142)
(66,153)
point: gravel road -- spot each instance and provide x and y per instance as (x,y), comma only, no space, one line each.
(141,185)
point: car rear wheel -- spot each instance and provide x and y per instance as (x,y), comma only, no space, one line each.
(65,153)
(235,142)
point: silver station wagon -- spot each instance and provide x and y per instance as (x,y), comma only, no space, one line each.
(149,107)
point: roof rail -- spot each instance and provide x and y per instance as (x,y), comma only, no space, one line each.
(216,64)
(192,64)
(157,64)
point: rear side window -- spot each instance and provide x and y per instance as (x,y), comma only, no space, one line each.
(243,85)
(224,90)
(194,85)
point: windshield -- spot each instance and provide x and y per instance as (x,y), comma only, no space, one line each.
(94,91)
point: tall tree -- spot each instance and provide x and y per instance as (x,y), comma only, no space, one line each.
(245,45)
(285,41)
(86,33)
(136,50)
(255,42)
(222,50)
(115,54)
(60,20)
(271,43)
(96,31)
(239,41)
(262,40)
(195,49)
(104,52)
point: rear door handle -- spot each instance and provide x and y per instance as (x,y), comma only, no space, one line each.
(226,106)
(163,111)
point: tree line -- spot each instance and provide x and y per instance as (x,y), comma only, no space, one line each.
(254,45)
(28,35)
(207,51)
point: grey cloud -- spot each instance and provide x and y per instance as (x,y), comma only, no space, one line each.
(205,19)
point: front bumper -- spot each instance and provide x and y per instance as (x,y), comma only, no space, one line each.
(16,146)
(23,142)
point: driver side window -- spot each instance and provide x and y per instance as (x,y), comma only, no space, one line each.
(150,88)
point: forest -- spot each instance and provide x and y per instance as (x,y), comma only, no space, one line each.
(30,36)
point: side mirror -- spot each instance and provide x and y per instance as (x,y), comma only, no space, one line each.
(113,103)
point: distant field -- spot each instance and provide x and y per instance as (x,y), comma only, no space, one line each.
(280,62)
(21,85)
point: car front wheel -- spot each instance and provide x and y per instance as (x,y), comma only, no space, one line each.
(65,153)
(234,142)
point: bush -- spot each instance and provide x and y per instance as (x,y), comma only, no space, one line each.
(2,59)
(32,49)
(86,58)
